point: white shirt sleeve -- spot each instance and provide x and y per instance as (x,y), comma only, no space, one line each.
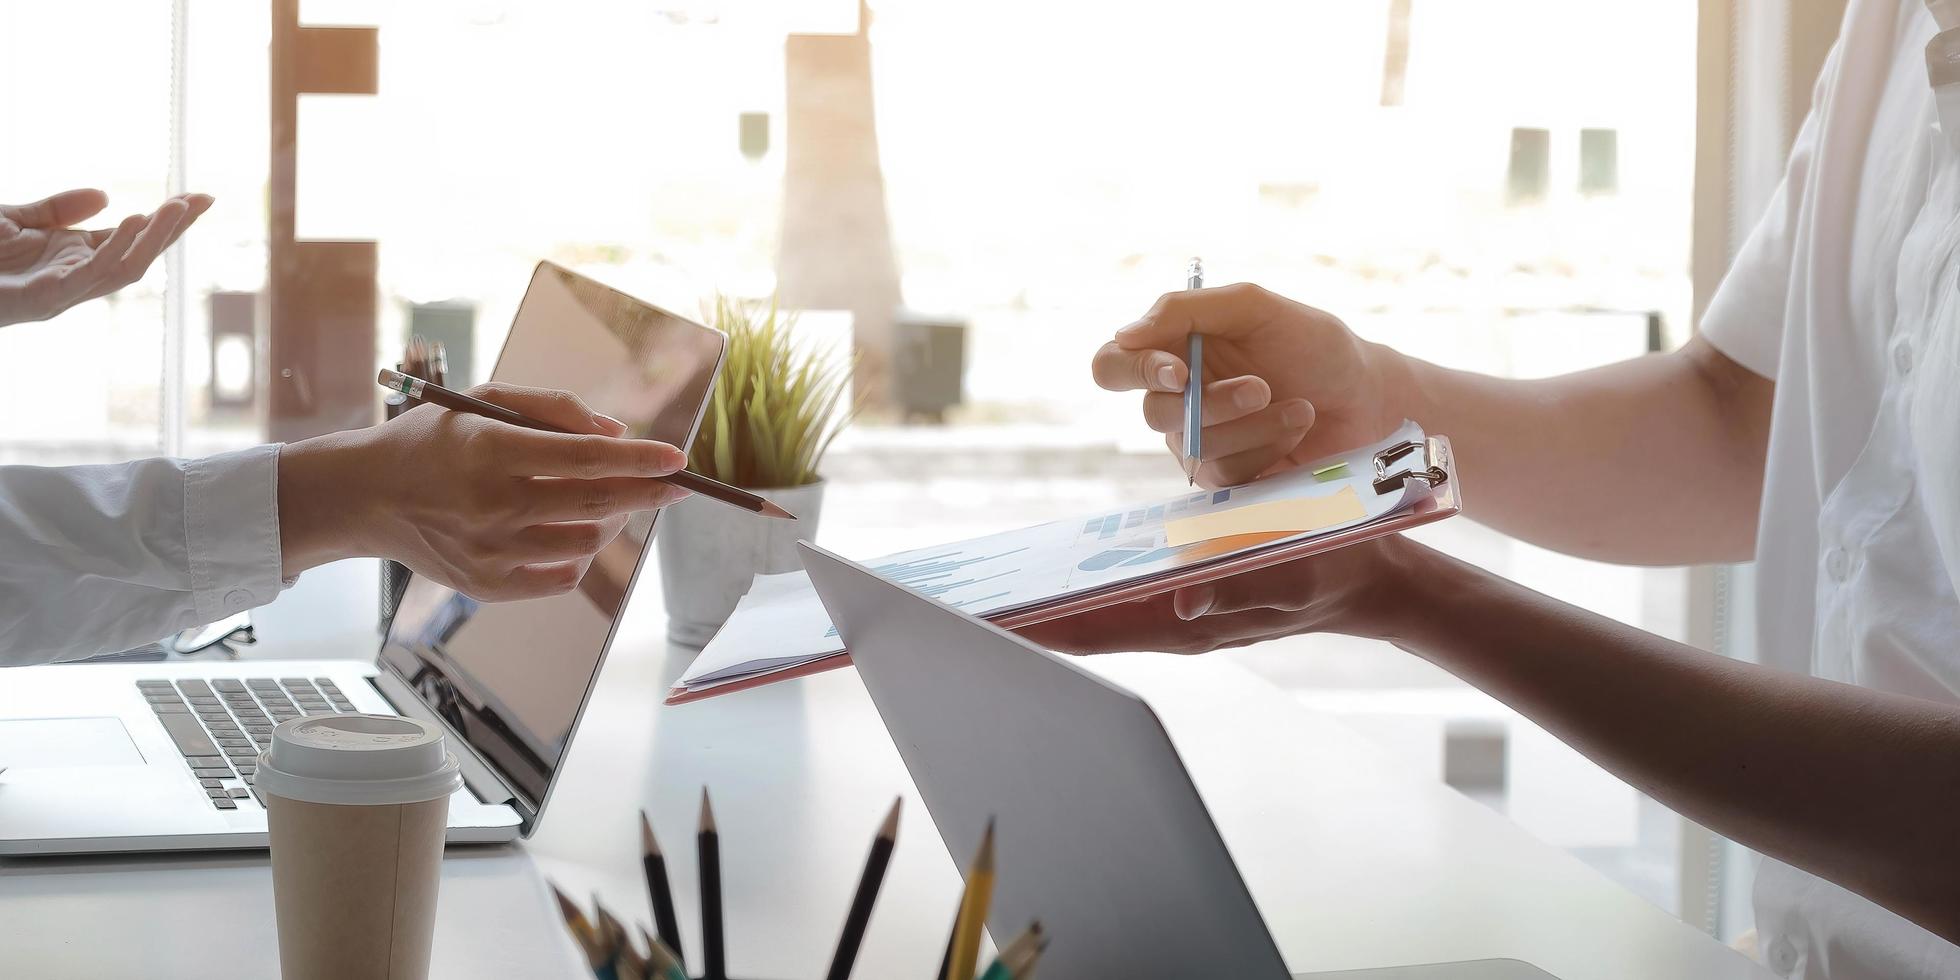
(95,559)
(1745,317)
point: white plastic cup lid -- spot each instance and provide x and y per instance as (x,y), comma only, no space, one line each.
(358,760)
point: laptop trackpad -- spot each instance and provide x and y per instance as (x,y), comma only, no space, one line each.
(62,743)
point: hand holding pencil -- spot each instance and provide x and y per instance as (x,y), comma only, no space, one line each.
(458,498)
(1280,383)
(456,401)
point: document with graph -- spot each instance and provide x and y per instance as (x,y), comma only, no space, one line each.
(1056,569)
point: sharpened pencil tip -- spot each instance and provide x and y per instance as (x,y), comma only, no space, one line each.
(610,929)
(566,906)
(769,509)
(985,862)
(707,813)
(649,846)
(889,830)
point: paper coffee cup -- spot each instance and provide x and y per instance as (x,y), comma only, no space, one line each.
(357,805)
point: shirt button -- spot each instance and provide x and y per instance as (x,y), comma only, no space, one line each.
(1782,956)
(238,598)
(1837,563)
(1902,357)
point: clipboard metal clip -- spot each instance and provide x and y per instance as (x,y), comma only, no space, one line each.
(1433,476)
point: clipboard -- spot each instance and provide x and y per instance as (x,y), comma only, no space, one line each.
(1435,471)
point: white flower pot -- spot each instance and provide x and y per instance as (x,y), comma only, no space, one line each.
(709,552)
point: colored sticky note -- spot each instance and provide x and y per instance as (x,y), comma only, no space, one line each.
(1299,515)
(1328,474)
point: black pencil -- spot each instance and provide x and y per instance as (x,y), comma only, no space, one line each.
(654,863)
(867,894)
(709,842)
(456,401)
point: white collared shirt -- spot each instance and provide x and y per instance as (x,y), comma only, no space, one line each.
(1848,295)
(95,559)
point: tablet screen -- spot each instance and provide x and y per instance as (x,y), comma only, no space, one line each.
(511,677)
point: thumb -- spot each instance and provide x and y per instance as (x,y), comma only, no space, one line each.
(60,211)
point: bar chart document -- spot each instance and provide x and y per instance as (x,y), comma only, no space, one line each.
(1010,577)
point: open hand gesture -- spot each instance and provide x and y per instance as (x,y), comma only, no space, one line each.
(46,266)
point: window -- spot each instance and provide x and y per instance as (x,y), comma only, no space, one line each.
(983,191)
(1599,161)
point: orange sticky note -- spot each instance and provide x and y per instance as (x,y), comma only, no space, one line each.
(1299,515)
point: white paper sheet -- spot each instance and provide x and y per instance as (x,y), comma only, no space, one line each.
(781,624)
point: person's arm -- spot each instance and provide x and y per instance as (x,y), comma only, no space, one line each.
(1591,464)
(1854,785)
(95,559)
(46,266)
(1653,461)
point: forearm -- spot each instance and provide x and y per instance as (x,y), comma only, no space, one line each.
(1854,785)
(1656,460)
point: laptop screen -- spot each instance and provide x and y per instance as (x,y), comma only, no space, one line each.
(511,677)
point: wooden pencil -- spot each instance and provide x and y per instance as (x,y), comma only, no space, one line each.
(612,936)
(1016,955)
(581,928)
(867,894)
(974,903)
(1025,971)
(663,963)
(659,894)
(708,841)
(627,961)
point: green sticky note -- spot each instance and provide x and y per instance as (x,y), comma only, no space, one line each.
(1328,474)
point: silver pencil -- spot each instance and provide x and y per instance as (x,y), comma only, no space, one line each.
(1194,386)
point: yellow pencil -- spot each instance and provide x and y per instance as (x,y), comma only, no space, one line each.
(974,902)
(582,929)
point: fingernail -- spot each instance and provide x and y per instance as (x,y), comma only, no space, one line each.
(1247,397)
(609,420)
(1167,376)
(1205,597)
(1297,415)
(673,459)
(1130,331)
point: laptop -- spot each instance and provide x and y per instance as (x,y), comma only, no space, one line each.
(994,727)
(140,757)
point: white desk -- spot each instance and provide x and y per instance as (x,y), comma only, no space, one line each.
(1354,863)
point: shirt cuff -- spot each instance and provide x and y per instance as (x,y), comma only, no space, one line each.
(231,527)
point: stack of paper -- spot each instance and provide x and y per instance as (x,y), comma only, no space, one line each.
(781,626)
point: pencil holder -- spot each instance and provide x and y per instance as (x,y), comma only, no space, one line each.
(615,952)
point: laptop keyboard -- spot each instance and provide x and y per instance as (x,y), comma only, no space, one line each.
(221,725)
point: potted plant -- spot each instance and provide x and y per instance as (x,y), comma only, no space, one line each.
(777,405)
